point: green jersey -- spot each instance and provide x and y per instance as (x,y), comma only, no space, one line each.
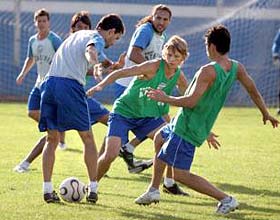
(134,103)
(195,124)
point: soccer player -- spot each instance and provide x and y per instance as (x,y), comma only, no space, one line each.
(41,48)
(276,59)
(64,105)
(146,44)
(133,111)
(175,144)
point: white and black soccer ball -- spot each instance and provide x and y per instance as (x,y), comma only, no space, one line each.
(72,190)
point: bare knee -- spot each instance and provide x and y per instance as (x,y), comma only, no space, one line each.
(158,142)
(34,115)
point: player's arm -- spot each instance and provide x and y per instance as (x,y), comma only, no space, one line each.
(144,70)
(91,54)
(182,83)
(136,55)
(203,80)
(247,82)
(28,64)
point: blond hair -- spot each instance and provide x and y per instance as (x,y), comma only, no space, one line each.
(176,43)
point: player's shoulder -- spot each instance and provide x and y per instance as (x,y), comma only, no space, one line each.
(54,35)
(208,70)
(146,27)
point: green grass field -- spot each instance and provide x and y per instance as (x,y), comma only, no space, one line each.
(247,166)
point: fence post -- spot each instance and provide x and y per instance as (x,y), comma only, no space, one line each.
(17,10)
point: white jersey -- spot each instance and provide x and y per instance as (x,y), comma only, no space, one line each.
(151,43)
(70,62)
(43,51)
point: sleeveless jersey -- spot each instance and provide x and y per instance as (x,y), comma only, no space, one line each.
(151,43)
(195,124)
(134,103)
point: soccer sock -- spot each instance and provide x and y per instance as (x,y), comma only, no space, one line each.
(129,147)
(93,186)
(168,182)
(47,187)
(25,164)
(152,189)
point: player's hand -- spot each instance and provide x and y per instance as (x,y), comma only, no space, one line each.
(274,122)
(117,65)
(212,141)
(19,79)
(98,70)
(156,94)
(94,89)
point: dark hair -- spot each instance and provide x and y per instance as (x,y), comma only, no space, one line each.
(41,12)
(156,8)
(111,21)
(82,16)
(220,37)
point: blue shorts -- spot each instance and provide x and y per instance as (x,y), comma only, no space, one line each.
(34,99)
(119,89)
(63,105)
(176,152)
(120,126)
(96,110)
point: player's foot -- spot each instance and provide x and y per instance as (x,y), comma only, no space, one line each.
(175,190)
(140,165)
(20,169)
(227,205)
(51,197)
(127,156)
(148,198)
(62,146)
(92,197)
(278,111)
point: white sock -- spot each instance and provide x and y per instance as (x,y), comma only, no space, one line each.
(129,147)
(93,186)
(25,164)
(152,189)
(47,187)
(168,182)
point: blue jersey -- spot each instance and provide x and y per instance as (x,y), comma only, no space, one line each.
(151,43)
(43,51)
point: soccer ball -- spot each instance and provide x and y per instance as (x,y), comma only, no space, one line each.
(72,190)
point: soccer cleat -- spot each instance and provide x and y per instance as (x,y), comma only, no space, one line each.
(51,197)
(20,169)
(140,165)
(127,156)
(278,112)
(62,146)
(175,190)
(148,198)
(92,197)
(227,205)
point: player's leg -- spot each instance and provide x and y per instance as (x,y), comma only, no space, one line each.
(152,194)
(90,158)
(48,164)
(226,203)
(112,148)
(34,113)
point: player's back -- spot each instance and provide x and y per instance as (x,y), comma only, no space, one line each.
(69,60)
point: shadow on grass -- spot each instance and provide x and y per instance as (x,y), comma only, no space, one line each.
(74,150)
(246,190)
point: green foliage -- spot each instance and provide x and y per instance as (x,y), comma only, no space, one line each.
(246,166)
